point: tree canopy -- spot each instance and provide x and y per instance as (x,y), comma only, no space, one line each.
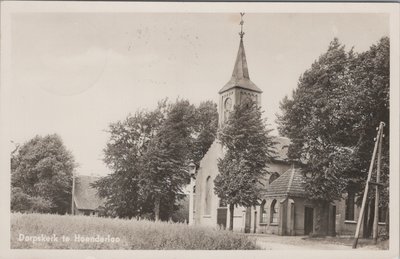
(41,176)
(248,150)
(332,115)
(149,152)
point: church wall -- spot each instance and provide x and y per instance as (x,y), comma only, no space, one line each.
(244,94)
(208,167)
(345,227)
(293,222)
(267,227)
(299,204)
(238,219)
(348,227)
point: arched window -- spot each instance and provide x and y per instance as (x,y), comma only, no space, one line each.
(207,207)
(263,212)
(273,177)
(274,212)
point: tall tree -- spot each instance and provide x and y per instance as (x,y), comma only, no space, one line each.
(165,162)
(332,115)
(248,149)
(41,176)
(148,153)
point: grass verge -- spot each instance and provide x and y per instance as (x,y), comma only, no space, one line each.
(48,231)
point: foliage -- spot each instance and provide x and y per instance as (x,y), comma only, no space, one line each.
(133,234)
(332,115)
(149,153)
(41,176)
(248,149)
(182,213)
(205,129)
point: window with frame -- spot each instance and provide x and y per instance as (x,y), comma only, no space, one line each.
(263,213)
(274,212)
(382,214)
(350,204)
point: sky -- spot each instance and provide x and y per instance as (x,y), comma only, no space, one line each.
(75,73)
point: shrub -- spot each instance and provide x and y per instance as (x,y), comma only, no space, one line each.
(22,202)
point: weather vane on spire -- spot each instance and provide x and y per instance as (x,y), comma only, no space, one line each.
(241,33)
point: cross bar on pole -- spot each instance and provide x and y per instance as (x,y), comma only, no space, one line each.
(361,215)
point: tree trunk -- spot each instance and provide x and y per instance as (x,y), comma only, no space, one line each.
(231,211)
(157,209)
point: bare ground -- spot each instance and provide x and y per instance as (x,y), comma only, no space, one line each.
(275,242)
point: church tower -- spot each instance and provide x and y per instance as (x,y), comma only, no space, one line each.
(240,88)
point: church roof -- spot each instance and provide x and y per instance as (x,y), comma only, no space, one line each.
(291,183)
(85,196)
(240,76)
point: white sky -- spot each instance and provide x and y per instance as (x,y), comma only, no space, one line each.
(73,74)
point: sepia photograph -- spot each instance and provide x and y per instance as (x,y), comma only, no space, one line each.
(199,127)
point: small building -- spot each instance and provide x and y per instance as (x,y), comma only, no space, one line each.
(85,198)
(285,209)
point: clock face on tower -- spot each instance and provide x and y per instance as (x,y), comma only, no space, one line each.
(228,104)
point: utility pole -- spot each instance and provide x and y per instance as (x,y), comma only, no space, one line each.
(378,139)
(72,193)
(378,175)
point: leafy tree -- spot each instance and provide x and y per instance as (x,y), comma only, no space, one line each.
(205,129)
(41,176)
(332,116)
(248,149)
(129,140)
(149,152)
(165,162)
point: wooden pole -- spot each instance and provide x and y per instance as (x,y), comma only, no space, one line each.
(378,175)
(361,215)
(72,194)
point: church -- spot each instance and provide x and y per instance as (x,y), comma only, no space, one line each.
(284,208)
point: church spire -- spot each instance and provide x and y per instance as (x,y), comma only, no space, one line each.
(240,70)
(240,75)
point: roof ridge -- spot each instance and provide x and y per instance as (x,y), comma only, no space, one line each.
(290,180)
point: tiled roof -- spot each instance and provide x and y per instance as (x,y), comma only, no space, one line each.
(291,183)
(85,196)
(240,75)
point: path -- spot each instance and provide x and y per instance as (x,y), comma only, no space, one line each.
(275,242)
